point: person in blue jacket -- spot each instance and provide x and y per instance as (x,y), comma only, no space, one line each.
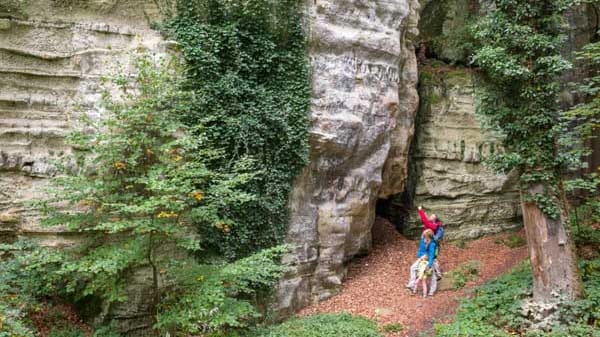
(427,246)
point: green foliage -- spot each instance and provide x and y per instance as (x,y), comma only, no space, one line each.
(392,327)
(23,277)
(585,234)
(464,273)
(519,55)
(12,322)
(323,325)
(145,179)
(514,241)
(142,186)
(247,65)
(217,298)
(581,121)
(443,26)
(495,308)
(106,331)
(580,124)
(14,8)
(66,332)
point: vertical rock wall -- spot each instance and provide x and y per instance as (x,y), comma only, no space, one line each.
(448,176)
(52,56)
(363,105)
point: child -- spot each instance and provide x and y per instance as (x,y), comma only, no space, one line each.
(423,274)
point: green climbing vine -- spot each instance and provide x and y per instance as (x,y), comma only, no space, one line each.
(185,180)
(520,61)
(247,64)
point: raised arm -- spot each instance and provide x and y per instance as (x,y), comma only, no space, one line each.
(426,223)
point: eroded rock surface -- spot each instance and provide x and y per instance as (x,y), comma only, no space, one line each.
(448,176)
(52,57)
(363,106)
(53,54)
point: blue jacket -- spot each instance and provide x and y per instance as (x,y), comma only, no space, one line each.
(429,250)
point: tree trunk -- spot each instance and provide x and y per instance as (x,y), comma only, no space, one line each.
(552,252)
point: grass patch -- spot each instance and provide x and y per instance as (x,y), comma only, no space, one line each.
(392,327)
(324,325)
(495,310)
(465,273)
(512,241)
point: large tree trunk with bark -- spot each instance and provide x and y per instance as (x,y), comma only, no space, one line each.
(552,252)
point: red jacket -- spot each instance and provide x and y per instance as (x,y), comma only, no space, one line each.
(426,223)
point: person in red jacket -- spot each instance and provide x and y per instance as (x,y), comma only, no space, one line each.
(433,223)
(430,222)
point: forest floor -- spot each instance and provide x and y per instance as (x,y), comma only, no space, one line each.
(374,287)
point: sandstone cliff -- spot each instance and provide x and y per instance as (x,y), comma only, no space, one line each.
(52,57)
(448,175)
(364,102)
(363,106)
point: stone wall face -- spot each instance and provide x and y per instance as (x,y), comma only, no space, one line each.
(52,56)
(363,105)
(448,177)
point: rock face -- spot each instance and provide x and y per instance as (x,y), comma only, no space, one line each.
(363,106)
(54,52)
(443,28)
(52,56)
(448,176)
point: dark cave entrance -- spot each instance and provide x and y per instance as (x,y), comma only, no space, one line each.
(396,209)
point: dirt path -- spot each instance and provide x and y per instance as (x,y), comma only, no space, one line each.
(375,284)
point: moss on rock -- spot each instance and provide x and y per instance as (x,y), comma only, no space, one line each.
(444,28)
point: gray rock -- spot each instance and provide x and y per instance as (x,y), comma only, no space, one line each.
(450,178)
(363,106)
(51,60)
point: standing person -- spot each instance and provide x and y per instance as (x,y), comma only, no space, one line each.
(434,223)
(429,222)
(427,247)
(423,274)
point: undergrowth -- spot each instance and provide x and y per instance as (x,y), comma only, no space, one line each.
(323,325)
(495,308)
(465,273)
(247,65)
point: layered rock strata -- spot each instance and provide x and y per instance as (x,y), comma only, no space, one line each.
(52,57)
(448,176)
(363,106)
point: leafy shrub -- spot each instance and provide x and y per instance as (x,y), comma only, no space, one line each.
(106,331)
(217,298)
(464,273)
(324,325)
(145,179)
(392,327)
(66,332)
(12,323)
(514,241)
(24,276)
(495,309)
(145,182)
(247,65)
